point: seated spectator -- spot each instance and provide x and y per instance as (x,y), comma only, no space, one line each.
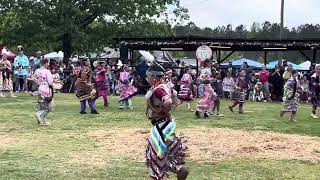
(257,94)
(305,89)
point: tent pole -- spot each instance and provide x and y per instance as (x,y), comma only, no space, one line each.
(314,56)
(265,58)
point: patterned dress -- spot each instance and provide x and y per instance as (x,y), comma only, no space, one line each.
(207,100)
(185,93)
(5,76)
(44,79)
(125,88)
(165,151)
(239,92)
(83,88)
(291,96)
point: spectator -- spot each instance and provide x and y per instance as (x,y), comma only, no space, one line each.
(228,85)
(277,84)
(263,78)
(21,66)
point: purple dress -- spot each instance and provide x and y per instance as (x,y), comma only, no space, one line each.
(125,89)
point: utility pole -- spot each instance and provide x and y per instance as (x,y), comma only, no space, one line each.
(281,21)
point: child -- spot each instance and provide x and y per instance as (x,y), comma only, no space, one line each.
(216,84)
(126,89)
(290,99)
(207,100)
(238,95)
(257,94)
(185,93)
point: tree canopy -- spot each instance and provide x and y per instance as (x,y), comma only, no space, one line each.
(80,25)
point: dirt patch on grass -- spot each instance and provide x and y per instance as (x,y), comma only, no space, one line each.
(205,145)
(6,141)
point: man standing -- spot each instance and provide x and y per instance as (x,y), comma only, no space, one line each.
(21,65)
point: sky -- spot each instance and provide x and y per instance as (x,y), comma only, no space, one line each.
(212,13)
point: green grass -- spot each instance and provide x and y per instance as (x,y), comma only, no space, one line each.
(45,153)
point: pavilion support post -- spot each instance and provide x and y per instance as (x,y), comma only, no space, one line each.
(314,56)
(219,56)
(197,67)
(265,58)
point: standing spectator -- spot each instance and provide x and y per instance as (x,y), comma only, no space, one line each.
(263,78)
(277,84)
(21,66)
(231,69)
(228,85)
(36,61)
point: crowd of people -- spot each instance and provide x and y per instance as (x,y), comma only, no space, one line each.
(166,88)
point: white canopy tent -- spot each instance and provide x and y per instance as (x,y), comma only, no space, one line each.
(58,56)
(305,65)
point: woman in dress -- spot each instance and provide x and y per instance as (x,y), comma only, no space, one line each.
(165,151)
(102,82)
(84,89)
(291,96)
(43,78)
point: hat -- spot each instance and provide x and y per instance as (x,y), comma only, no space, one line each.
(20,48)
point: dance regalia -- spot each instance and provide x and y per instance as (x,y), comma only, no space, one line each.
(315,90)
(84,89)
(101,81)
(185,93)
(207,100)
(291,96)
(239,92)
(165,151)
(44,80)
(5,76)
(125,88)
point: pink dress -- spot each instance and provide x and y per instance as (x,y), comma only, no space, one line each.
(185,93)
(125,88)
(207,100)
(101,82)
(44,79)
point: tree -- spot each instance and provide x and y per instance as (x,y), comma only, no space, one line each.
(73,23)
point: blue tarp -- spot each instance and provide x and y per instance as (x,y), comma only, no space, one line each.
(239,62)
(271,65)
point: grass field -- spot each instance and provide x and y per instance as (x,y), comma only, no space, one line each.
(111,145)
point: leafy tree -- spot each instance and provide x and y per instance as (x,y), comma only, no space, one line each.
(74,24)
